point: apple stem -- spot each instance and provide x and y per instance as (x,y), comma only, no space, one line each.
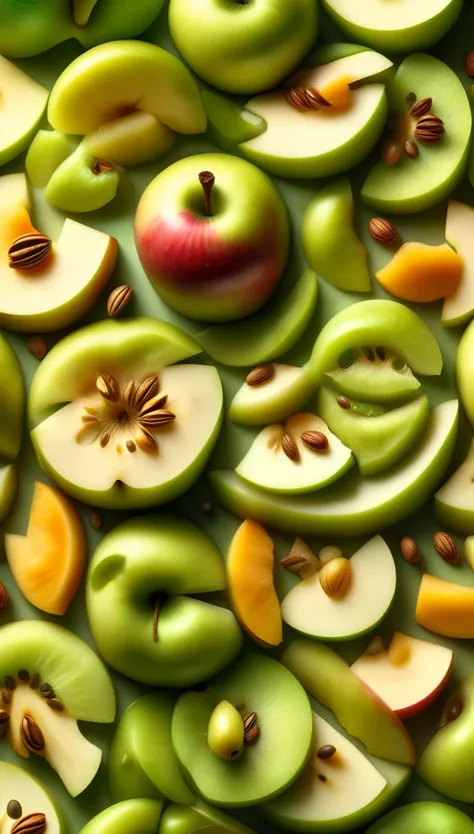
(155,619)
(207,180)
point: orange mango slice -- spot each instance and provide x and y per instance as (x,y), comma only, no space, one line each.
(49,562)
(422,273)
(250,565)
(445,608)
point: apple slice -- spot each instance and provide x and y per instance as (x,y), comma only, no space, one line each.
(22,104)
(287,390)
(271,465)
(329,679)
(357,506)
(8,488)
(408,676)
(32,798)
(46,153)
(229,124)
(445,608)
(375,376)
(459,308)
(130,140)
(82,183)
(308,609)
(454,502)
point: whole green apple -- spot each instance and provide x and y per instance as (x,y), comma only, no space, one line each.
(114,423)
(133,815)
(142,607)
(423,818)
(243,47)
(212,235)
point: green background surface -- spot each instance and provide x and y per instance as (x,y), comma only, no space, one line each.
(117,219)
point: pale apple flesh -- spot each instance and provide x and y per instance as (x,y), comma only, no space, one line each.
(22,104)
(459,308)
(16,784)
(130,140)
(289,388)
(454,501)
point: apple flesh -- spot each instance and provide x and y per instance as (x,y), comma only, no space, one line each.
(424,818)
(465,369)
(17,785)
(454,501)
(259,405)
(459,308)
(219,257)
(22,106)
(228,123)
(409,675)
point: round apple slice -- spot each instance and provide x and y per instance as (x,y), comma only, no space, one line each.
(376,376)
(20,797)
(373,579)
(301,456)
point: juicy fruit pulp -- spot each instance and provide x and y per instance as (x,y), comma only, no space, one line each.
(418,272)
(18,786)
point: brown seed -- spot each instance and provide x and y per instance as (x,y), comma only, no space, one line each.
(129,393)
(322,778)
(469,63)
(421,107)
(31,824)
(105,437)
(315,440)
(4,721)
(252,736)
(411,149)
(107,387)
(47,691)
(24,675)
(382,231)
(343,402)
(250,721)
(145,440)
(391,152)
(446,547)
(38,346)
(147,390)
(10,682)
(301,560)
(156,418)
(35,682)
(429,129)
(14,810)
(6,696)
(29,251)
(118,300)
(306,99)
(131,446)
(327,751)
(260,375)
(96,520)
(56,704)
(99,166)
(410,550)
(290,448)
(31,735)
(4,596)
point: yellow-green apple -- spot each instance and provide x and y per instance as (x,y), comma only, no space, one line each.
(179,819)
(50,670)
(149,571)
(115,422)
(22,104)
(82,183)
(375,376)
(454,501)
(424,818)
(133,815)
(8,488)
(243,47)
(21,796)
(46,153)
(58,288)
(465,370)
(212,235)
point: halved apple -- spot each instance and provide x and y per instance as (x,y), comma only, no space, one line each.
(459,308)
(65,284)
(22,104)
(308,609)
(409,675)
(454,502)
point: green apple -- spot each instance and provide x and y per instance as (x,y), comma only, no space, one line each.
(417,184)
(424,818)
(22,105)
(330,242)
(268,466)
(373,580)
(82,183)
(138,769)
(228,123)
(268,766)
(337,794)
(56,680)
(446,763)
(404,26)
(268,334)
(459,308)
(377,438)
(375,376)
(153,423)
(21,796)
(303,144)
(177,819)
(30,29)
(246,50)
(130,140)
(8,488)
(12,398)
(361,712)
(46,153)
(288,389)
(454,501)
(148,571)
(465,369)
(140,816)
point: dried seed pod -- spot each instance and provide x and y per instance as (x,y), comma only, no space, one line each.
(410,550)
(31,735)
(382,231)
(145,440)
(289,447)
(260,374)
(31,824)
(146,391)
(29,250)
(315,440)
(129,394)
(447,548)
(4,596)
(118,300)
(156,418)
(421,107)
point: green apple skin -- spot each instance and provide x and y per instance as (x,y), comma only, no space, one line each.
(371,378)
(8,489)
(142,816)
(401,39)
(354,506)
(138,769)
(329,679)
(247,50)
(330,243)
(269,334)
(416,185)
(74,187)
(280,400)
(424,818)
(227,123)
(48,150)
(150,556)
(178,819)
(446,764)
(12,398)
(35,28)
(465,370)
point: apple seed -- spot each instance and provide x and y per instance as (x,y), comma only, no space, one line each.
(327,751)
(447,548)
(290,448)
(31,735)
(31,824)
(14,810)
(410,550)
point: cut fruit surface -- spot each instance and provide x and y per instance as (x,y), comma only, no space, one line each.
(130,140)
(265,768)
(408,676)
(250,565)
(269,466)
(308,609)
(76,186)
(140,816)
(374,376)
(17,785)
(377,438)
(22,105)
(288,389)
(422,273)
(454,502)
(357,506)
(445,608)
(48,563)
(459,308)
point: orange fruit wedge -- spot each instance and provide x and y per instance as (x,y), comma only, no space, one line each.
(49,562)
(422,273)
(255,603)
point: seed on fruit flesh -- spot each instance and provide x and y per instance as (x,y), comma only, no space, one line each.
(10,682)
(24,675)
(343,402)
(225,734)
(56,704)
(290,448)
(31,824)
(260,375)
(322,778)
(14,809)
(47,691)
(252,736)
(249,721)
(35,682)
(31,734)
(301,560)
(6,696)
(327,751)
